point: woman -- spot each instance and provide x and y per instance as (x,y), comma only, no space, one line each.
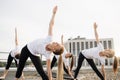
(97,52)
(13,55)
(65,58)
(40,46)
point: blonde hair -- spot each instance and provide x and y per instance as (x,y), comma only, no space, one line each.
(111,53)
(60,69)
(59,51)
(115,65)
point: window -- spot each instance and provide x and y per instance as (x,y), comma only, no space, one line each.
(86,44)
(91,44)
(106,62)
(73,47)
(95,44)
(110,44)
(78,48)
(70,46)
(105,44)
(82,45)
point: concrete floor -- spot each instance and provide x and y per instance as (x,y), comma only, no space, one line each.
(84,74)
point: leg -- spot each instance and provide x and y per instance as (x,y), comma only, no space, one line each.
(65,68)
(23,57)
(53,62)
(92,64)
(37,63)
(9,61)
(80,60)
(16,62)
(22,76)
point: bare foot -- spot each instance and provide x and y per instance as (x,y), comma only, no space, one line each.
(2,77)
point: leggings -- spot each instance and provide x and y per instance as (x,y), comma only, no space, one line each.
(9,61)
(25,53)
(92,64)
(53,63)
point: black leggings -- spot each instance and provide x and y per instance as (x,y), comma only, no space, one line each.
(53,63)
(92,64)
(25,53)
(9,61)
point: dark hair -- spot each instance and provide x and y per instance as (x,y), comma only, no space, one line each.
(17,56)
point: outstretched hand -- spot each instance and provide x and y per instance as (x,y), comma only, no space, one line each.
(55,9)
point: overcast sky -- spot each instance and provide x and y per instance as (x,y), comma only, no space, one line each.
(74,18)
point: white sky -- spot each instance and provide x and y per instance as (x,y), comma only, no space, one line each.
(74,18)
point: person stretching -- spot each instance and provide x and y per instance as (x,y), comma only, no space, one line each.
(38,47)
(95,53)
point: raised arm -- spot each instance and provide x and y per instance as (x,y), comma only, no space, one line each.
(16,40)
(50,31)
(96,33)
(62,39)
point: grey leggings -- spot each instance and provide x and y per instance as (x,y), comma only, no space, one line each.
(25,53)
(92,64)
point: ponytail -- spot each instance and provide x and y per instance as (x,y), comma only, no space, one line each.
(115,65)
(60,69)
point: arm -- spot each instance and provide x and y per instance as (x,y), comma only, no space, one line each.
(49,69)
(96,33)
(52,21)
(69,71)
(69,67)
(16,40)
(62,39)
(103,72)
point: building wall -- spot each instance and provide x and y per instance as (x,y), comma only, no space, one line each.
(78,44)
